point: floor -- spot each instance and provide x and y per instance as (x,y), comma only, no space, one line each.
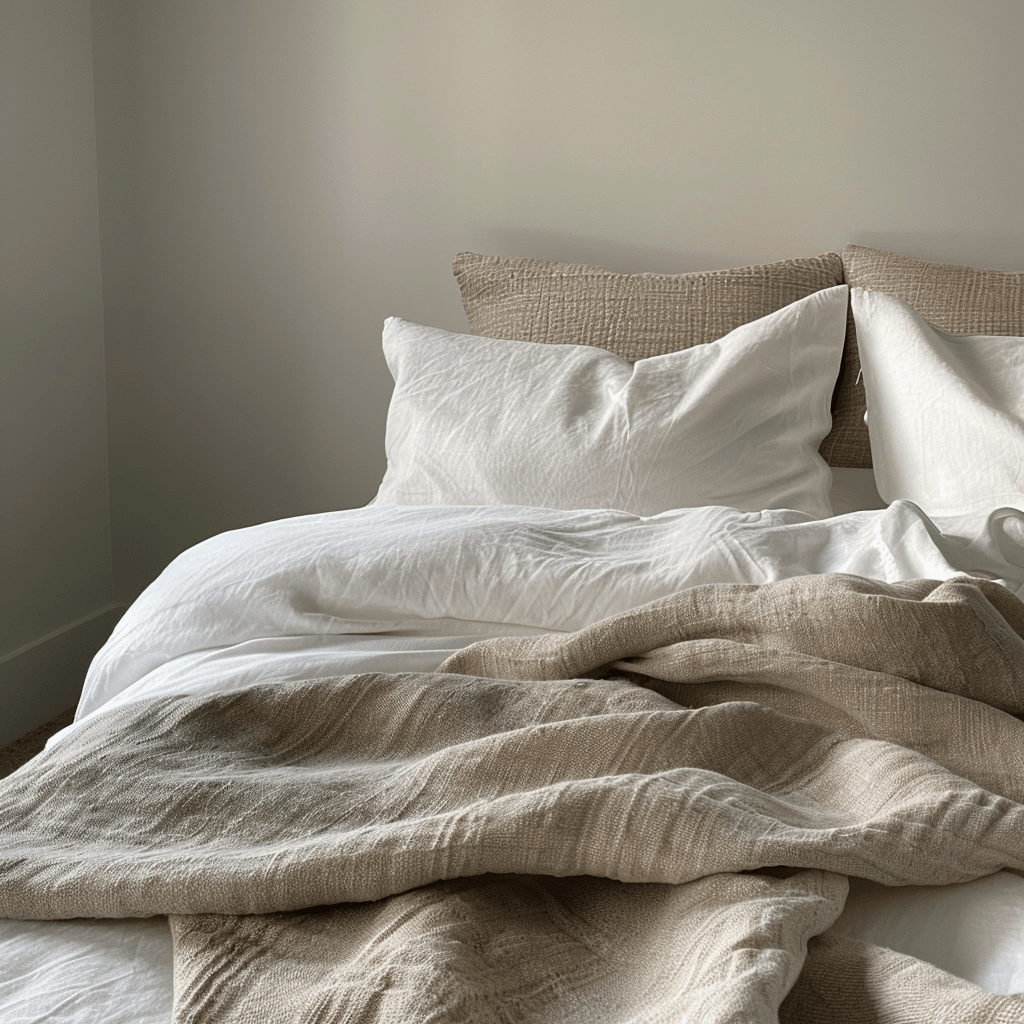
(14,755)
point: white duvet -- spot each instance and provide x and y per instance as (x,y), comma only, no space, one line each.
(400,588)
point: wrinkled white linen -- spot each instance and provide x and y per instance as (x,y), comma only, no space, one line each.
(399,589)
(448,571)
(85,972)
(946,411)
(974,930)
(738,421)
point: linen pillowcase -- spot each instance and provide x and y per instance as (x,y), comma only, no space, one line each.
(736,422)
(962,300)
(641,315)
(946,411)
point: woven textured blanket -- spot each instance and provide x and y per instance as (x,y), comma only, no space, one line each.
(652,819)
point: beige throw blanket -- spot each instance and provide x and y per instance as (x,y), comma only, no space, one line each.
(649,820)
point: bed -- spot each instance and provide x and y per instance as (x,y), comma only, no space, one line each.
(651,686)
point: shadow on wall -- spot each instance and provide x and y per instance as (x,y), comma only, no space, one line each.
(989,252)
(995,252)
(599,252)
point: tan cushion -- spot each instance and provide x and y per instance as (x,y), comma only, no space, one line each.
(961,300)
(633,315)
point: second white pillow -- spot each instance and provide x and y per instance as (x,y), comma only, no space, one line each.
(737,422)
(945,411)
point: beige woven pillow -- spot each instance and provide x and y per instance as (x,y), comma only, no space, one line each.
(961,300)
(633,315)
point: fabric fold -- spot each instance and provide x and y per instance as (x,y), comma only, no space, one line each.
(665,817)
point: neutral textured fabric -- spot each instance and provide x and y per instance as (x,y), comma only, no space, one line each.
(736,422)
(961,300)
(853,490)
(850,982)
(641,315)
(946,410)
(454,847)
(633,315)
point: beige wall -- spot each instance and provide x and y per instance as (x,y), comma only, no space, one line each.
(55,561)
(268,179)
(277,176)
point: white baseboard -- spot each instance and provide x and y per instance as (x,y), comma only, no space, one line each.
(45,678)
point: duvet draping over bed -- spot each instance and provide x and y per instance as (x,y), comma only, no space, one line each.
(650,819)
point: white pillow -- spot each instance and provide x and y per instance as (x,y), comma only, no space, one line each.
(945,412)
(737,422)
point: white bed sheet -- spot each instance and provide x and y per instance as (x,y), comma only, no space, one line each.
(399,589)
(436,571)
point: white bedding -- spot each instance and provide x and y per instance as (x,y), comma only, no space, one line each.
(451,571)
(400,588)
(737,421)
